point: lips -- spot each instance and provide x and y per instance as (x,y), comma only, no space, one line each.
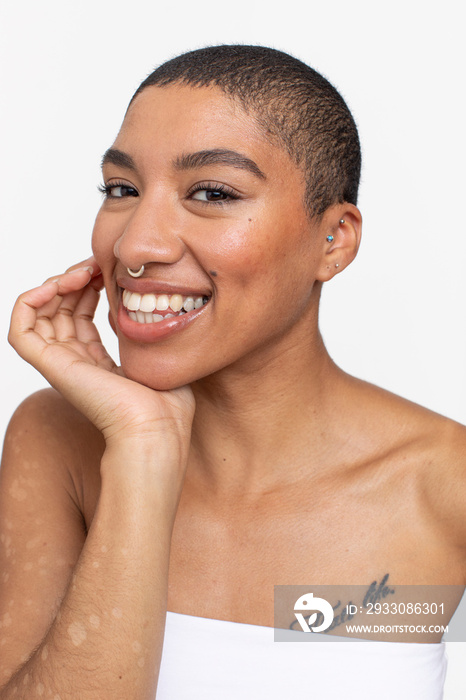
(148,316)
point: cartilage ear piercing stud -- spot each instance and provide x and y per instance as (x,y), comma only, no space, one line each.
(342,221)
(136,273)
(330,239)
(337,264)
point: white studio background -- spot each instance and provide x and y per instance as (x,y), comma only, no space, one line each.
(394,318)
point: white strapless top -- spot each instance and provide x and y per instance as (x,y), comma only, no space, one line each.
(206,659)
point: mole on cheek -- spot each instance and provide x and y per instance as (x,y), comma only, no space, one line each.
(213,273)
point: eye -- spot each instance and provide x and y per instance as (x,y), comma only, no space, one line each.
(210,196)
(210,193)
(118,190)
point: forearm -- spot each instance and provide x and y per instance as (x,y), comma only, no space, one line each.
(106,640)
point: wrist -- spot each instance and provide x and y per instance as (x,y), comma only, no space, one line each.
(144,469)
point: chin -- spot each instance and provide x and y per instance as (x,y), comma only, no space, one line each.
(159,381)
(160,376)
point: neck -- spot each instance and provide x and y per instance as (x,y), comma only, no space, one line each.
(254,419)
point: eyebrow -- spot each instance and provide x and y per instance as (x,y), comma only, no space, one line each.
(218,156)
(190,161)
(119,158)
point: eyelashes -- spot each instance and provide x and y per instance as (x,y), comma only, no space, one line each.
(203,192)
(124,190)
(214,193)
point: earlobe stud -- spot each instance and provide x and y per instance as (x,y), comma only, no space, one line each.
(330,239)
(136,273)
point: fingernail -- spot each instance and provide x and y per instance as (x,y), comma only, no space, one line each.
(55,279)
(80,269)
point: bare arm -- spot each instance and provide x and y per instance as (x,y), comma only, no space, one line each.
(100,630)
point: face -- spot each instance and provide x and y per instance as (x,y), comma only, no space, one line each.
(214,211)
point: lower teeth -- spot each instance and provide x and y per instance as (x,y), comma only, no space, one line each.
(155,318)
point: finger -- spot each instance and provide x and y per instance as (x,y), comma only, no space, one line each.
(50,321)
(97,282)
(25,316)
(89,262)
(94,270)
(77,307)
(54,320)
(35,309)
(73,280)
(84,316)
(74,317)
(64,318)
(46,329)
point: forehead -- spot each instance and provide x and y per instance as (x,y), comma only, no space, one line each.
(164,122)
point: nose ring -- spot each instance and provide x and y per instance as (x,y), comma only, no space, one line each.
(136,273)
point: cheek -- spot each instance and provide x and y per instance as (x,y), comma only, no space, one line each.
(243,253)
(102,246)
(102,243)
(264,254)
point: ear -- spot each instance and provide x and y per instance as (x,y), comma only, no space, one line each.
(340,233)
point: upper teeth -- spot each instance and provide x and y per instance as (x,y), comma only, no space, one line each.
(160,302)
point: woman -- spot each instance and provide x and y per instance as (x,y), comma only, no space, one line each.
(228,453)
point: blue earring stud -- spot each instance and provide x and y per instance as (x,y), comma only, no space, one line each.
(330,239)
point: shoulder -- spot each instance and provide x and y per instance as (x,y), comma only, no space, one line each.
(443,444)
(401,423)
(49,436)
(435,442)
(49,426)
(46,408)
(47,418)
(427,452)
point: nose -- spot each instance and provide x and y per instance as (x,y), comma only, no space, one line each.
(149,236)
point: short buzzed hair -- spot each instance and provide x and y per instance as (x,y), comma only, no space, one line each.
(292,103)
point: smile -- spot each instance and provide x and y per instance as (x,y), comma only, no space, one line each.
(153,308)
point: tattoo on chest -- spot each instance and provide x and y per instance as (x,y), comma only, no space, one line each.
(376,592)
